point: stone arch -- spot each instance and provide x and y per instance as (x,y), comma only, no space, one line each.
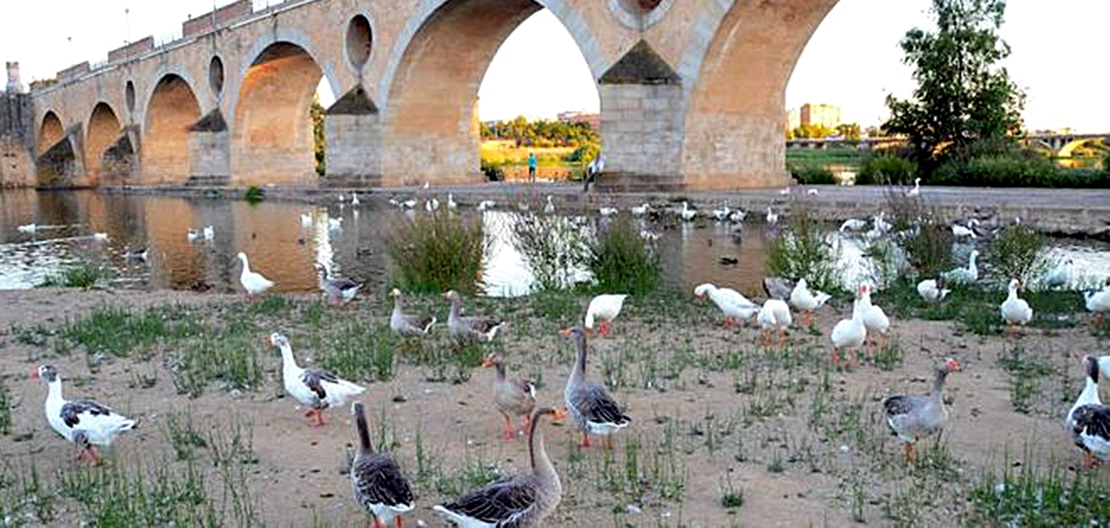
(103,130)
(51,131)
(735,110)
(1069,147)
(430,86)
(429,10)
(171,109)
(272,140)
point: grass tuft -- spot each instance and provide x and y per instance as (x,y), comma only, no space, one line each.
(622,262)
(437,252)
(803,250)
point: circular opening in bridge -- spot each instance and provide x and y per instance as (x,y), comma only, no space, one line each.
(640,14)
(359,40)
(642,6)
(129,96)
(216,75)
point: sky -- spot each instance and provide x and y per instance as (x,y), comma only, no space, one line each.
(852,60)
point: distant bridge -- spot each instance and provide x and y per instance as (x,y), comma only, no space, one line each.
(1060,145)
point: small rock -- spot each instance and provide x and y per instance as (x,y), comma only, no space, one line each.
(235,393)
(326,495)
(844,448)
(633,509)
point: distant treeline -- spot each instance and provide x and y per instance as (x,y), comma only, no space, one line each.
(540,133)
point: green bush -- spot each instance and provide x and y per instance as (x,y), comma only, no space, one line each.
(437,252)
(80,275)
(812,174)
(802,250)
(926,236)
(553,246)
(621,262)
(583,154)
(253,195)
(882,169)
(1019,252)
(493,172)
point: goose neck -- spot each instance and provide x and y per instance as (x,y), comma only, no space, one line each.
(938,381)
(541,464)
(363,433)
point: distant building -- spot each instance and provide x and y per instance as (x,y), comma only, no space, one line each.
(793,119)
(14,84)
(825,115)
(594,120)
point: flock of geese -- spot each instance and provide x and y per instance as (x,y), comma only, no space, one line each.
(378,485)
(382,490)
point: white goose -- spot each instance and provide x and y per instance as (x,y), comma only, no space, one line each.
(209,233)
(1057,277)
(960,231)
(774,316)
(687,213)
(916,191)
(85,422)
(451,204)
(312,387)
(1098,302)
(603,309)
(640,210)
(772,216)
(306,220)
(849,334)
(431,205)
(853,224)
(966,275)
(335,224)
(806,300)
(721,213)
(1088,411)
(1015,311)
(486,205)
(932,290)
(735,306)
(354,199)
(549,208)
(874,319)
(608,211)
(252,281)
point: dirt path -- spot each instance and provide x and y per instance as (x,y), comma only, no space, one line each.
(713,415)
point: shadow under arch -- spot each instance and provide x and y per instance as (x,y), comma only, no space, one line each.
(172,109)
(272,134)
(103,130)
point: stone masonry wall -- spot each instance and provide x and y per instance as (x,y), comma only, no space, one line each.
(16,166)
(642,127)
(209,158)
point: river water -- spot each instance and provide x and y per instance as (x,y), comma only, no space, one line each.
(71,226)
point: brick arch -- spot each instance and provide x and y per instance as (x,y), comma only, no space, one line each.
(736,73)
(103,130)
(430,87)
(171,109)
(271,129)
(50,131)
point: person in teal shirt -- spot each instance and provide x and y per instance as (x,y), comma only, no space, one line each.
(532,167)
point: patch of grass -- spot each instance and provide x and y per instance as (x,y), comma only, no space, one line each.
(119,331)
(621,261)
(5,409)
(1027,373)
(803,250)
(889,357)
(731,497)
(1052,497)
(137,494)
(361,352)
(437,252)
(229,356)
(80,275)
(185,438)
(1018,252)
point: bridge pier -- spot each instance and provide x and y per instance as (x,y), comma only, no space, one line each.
(353,130)
(209,146)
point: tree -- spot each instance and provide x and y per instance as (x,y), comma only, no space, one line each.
(962,96)
(850,131)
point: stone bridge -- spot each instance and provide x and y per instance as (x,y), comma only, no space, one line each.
(1059,145)
(692,93)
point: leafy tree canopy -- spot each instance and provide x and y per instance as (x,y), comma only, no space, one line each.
(963,96)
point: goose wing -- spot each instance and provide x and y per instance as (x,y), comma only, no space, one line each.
(314,379)
(595,404)
(1093,421)
(378,480)
(83,411)
(499,503)
(902,405)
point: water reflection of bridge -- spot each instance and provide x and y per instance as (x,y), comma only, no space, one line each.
(1059,145)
